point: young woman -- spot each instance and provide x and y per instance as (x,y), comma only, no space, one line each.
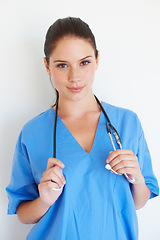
(72,195)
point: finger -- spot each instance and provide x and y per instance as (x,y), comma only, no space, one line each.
(118,152)
(51,185)
(123,166)
(55,175)
(123,160)
(54,161)
(54,179)
(127,170)
(58,171)
(55,187)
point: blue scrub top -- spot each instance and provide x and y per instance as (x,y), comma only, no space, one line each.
(95,204)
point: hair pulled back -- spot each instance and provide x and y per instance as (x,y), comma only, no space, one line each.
(67,26)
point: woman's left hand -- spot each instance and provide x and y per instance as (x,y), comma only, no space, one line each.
(124,161)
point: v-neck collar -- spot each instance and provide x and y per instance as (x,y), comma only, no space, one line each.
(59,121)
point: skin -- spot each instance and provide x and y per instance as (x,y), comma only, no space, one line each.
(72,64)
(72,67)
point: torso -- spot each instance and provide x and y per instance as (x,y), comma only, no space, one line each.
(88,183)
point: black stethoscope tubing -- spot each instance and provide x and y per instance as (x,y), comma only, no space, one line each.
(109,126)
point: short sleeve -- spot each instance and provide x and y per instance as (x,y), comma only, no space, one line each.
(146,166)
(22,186)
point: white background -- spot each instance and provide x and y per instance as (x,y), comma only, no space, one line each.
(128,37)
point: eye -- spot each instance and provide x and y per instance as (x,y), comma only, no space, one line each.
(62,65)
(83,63)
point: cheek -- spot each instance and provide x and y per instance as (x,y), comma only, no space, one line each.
(58,78)
(89,74)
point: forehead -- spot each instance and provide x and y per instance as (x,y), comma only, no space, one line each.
(72,47)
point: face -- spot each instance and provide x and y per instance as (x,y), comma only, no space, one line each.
(72,67)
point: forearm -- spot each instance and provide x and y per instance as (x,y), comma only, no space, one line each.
(31,212)
(141,194)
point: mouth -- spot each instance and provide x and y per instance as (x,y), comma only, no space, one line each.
(75,89)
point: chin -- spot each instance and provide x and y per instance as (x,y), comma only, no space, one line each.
(79,97)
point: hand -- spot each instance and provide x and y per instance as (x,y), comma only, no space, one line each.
(124,161)
(52,178)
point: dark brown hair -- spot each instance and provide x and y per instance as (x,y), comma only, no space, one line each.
(67,26)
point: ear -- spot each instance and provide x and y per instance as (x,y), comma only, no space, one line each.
(97,60)
(47,67)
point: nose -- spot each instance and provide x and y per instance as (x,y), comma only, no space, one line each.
(74,75)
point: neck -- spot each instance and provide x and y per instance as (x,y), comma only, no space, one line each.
(77,108)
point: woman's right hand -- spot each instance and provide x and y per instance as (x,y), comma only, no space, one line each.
(53,178)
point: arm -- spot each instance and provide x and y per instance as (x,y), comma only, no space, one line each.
(124,161)
(30,212)
(141,194)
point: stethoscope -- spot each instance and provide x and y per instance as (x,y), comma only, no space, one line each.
(109,128)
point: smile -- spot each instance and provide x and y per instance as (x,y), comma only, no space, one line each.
(75,90)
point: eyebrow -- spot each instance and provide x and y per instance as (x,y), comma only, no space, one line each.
(66,61)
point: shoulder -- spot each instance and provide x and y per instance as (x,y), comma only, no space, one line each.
(38,123)
(39,119)
(35,131)
(115,110)
(122,117)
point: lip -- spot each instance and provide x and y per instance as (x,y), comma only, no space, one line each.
(75,89)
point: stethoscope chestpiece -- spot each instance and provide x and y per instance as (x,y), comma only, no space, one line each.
(108,167)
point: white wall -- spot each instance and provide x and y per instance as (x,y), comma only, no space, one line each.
(128,37)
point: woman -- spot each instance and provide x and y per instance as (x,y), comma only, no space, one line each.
(72,195)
